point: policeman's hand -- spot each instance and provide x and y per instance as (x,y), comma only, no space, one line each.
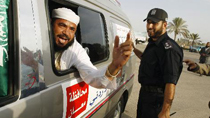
(164,114)
(190,63)
(121,53)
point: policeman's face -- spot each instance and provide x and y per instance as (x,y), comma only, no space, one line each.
(64,32)
(155,29)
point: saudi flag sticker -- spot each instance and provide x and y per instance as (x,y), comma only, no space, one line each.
(4,47)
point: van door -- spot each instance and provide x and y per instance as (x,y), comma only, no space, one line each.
(27,45)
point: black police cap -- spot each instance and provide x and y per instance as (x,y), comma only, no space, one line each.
(157,15)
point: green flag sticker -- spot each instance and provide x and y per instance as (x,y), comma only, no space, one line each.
(4,47)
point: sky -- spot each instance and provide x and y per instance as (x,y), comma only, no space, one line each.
(196,13)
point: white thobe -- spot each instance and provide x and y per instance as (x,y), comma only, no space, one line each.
(76,56)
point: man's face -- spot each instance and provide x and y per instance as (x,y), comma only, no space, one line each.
(155,29)
(64,32)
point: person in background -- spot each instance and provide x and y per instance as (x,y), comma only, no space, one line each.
(202,69)
(204,53)
(160,68)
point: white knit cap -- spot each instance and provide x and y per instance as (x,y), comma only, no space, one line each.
(66,14)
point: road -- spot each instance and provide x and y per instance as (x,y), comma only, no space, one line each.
(192,93)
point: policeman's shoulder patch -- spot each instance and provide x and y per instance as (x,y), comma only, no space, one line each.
(167,44)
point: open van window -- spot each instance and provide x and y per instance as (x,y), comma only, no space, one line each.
(91,34)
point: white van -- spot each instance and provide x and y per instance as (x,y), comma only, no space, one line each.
(26,31)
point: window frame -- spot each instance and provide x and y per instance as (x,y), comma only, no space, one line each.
(105,36)
(74,6)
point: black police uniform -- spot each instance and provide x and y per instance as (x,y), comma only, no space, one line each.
(161,63)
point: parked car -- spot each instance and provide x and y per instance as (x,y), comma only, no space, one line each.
(140,40)
(140,37)
(195,48)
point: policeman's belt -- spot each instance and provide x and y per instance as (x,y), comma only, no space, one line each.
(153,89)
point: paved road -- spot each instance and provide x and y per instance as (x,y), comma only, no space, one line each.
(191,98)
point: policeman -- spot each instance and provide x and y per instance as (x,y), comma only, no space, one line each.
(160,68)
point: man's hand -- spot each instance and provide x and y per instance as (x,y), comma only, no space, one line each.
(203,54)
(121,54)
(28,59)
(191,64)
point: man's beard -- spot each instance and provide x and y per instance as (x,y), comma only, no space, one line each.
(157,33)
(57,48)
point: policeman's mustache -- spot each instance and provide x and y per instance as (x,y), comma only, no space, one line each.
(150,29)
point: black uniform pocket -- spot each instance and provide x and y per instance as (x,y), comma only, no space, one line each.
(149,67)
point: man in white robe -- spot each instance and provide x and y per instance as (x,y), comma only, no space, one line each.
(71,53)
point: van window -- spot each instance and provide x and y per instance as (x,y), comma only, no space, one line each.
(91,34)
(31,67)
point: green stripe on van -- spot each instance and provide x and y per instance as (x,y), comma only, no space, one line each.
(4,47)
